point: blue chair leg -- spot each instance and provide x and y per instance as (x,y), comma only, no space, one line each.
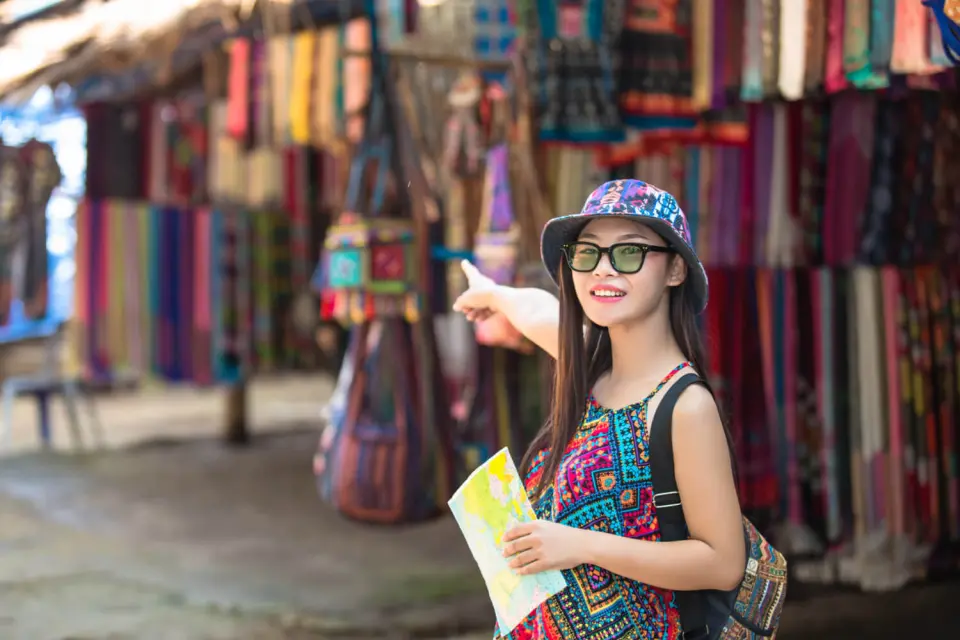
(43,415)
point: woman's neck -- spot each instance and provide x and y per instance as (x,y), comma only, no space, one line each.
(643,350)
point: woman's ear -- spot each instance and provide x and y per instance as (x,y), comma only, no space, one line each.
(678,272)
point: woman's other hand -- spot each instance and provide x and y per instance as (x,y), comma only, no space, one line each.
(542,546)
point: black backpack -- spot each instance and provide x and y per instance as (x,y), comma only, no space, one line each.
(752,610)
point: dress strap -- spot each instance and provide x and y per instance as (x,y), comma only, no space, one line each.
(667,378)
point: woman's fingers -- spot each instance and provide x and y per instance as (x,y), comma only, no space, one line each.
(482,314)
(477,315)
(523,559)
(469,270)
(474,278)
(471,299)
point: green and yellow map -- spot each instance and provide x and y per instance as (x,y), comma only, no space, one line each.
(485,506)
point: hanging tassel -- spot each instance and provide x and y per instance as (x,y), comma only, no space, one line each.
(412,308)
(357,312)
(370,304)
(947,13)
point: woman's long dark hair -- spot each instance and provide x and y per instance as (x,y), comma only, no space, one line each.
(582,360)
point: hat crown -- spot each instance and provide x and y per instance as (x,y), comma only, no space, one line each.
(637,198)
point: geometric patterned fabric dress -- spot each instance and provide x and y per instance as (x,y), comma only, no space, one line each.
(603,484)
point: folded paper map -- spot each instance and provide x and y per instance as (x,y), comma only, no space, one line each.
(486,505)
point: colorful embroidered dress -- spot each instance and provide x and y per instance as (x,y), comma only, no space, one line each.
(603,484)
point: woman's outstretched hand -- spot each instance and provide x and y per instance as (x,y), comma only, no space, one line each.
(478,302)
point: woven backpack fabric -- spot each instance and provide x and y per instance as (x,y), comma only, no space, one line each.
(751,610)
(946,13)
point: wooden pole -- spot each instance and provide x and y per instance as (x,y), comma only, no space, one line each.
(235,429)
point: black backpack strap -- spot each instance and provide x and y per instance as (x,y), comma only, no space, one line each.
(666,498)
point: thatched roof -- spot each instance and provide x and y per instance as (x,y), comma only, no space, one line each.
(106,35)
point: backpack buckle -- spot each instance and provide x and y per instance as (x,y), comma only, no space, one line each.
(666,500)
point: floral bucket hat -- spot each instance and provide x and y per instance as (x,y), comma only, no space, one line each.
(634,200)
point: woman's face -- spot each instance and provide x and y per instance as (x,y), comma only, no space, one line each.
(611,298)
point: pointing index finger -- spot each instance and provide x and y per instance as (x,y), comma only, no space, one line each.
(469,269)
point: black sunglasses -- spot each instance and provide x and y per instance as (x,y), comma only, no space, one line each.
(625,257)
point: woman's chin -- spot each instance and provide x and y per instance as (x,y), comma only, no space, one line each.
(604,317)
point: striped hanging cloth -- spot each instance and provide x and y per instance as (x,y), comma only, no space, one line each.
(357,78)
(751,88)
(815,50)
(324,90)
(858,37)
(793,44)
(704,49)
(238,89)
(279,60)
(78,352)
(658,69)
(770,49)
(835,80)
(302,74)
(201,320)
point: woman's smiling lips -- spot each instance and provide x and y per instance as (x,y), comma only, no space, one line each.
(606,293)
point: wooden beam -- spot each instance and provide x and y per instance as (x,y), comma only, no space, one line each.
(435,57)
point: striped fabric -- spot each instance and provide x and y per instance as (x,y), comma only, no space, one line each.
(198,295)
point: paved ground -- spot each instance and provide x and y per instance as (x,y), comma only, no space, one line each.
(187,540)
(124,544)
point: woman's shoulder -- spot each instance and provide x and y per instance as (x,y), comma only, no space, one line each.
(695,406)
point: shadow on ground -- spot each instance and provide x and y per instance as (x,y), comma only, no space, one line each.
(195,540)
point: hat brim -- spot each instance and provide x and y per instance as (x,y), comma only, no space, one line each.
(565,229)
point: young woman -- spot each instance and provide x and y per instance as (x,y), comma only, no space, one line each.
(622,330)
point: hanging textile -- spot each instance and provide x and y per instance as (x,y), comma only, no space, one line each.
(571,50)
(911,34)
(41,175)
(792,54)
(115,151)
(370,264)
(198,295)
(302,74)
(324,133)
(356,79)
(387,455)
(13,214)
(279,62)
(852,440)
(656,78)
(238,89)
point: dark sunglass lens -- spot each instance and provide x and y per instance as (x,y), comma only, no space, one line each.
(583,257)
(627,258)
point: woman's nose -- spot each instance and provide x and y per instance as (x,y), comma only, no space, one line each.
(604,267)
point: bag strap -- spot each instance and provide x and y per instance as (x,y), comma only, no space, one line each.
(666,498)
